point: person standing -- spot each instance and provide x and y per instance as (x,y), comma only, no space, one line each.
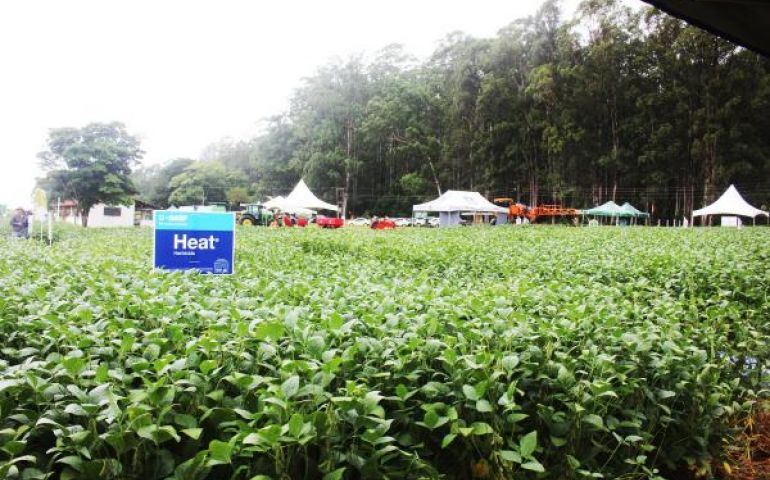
(19,224)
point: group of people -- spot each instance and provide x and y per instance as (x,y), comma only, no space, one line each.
(286,220)
(20,223)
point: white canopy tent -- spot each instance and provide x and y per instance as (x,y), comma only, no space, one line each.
(730,203)
(302,197)
(280,203)
(300,201)
(452,203)
(274,202)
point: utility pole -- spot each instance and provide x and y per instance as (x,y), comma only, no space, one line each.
(348,160)
(342,200)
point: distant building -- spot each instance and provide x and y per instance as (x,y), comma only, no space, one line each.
(67,211)
(143,213)
(212,207)
(100,215)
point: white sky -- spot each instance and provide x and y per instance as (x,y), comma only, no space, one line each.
(184,73)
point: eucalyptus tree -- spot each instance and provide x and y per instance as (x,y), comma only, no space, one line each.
(327,112)
(614,103)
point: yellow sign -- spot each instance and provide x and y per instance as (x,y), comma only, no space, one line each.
(39,198)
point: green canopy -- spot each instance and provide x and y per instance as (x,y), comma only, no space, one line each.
(608,209)
(632,211)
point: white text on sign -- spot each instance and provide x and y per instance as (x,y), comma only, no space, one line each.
(195,243)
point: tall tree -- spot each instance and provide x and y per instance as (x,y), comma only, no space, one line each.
(152,182)
(277,159)
(615,103)
(237,196)
(328,112)
(203,183)
(91,164)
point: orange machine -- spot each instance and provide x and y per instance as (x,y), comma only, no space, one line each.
(514,209)
(536,213)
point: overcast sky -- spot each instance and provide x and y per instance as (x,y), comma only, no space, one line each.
(182,74)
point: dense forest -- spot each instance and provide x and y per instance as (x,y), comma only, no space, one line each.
(615,103)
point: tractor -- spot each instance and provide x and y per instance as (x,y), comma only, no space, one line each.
(255,214)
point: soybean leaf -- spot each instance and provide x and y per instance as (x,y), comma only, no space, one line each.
(290,386)
(528,444)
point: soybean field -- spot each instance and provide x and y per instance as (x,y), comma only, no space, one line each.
(499,353)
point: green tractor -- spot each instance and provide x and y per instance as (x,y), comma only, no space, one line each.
(255,214)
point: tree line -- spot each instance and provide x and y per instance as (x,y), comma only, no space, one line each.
(614,103)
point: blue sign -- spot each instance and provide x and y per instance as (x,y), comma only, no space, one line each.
(203,241)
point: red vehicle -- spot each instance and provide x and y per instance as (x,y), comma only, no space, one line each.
(382,224)
(329,222)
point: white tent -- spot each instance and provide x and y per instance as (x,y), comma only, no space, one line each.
(454,202)
(274,202)
(730,203)
(459,201)
(302,197)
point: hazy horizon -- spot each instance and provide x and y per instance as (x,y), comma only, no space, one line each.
(182,75)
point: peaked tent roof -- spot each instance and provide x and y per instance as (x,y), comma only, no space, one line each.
(274,202)
(302,197)
(459,201)
(730,203)
(607,209)
(280,203)
(627,207)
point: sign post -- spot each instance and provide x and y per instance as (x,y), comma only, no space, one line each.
(40,200)
(202,241)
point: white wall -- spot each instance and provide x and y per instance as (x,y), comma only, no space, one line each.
(96,217)
(448,219)
(731,221)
